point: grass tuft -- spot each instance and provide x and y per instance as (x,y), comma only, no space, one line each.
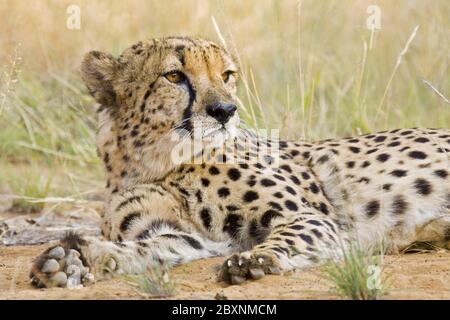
(156,282)
(358,274)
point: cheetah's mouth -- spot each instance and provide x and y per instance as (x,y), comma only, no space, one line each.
(207,129)
(220,132)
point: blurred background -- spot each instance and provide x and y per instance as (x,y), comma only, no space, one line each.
(312,69)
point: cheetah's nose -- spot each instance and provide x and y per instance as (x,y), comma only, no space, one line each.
(222,112)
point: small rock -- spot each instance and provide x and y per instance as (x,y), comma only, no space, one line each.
(221,296)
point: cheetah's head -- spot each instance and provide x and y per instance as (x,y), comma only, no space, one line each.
(164,84)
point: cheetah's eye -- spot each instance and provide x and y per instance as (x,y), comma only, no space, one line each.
(226,75)
(174,76)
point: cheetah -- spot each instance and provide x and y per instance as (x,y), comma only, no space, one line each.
(268,205)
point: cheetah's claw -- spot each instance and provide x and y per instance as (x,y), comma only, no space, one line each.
(240,267)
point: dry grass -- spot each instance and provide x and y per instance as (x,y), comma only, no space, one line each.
(311,68)
(359,273)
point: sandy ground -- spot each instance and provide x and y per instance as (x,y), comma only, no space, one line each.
(413,276)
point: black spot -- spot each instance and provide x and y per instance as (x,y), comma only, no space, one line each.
(314,222)
(403,149)
(323,159)
(417,155)
(323,207)
(250,196)
(205,182)
(213,171)
(206,218)
(380,139)
(280,250)
(365,164)
(275,205)
(232,224)
(404,133)
(372,208)
(399,205)
(234,174)
(306,238)
(305,175)
(134,132)
(317,233)
(286,168)
(170,236)
(354,149)
(198,195)
(295,180)
(268,216)
(243,165)
(387,186)
(278,195)
(421,140)
(287,234)
(296,227)
(291,190)
(291,205)
(314,188)
(223,192)
(372,151)
(423,186)
(194,243)
(231,208)
(394,144)
(268,183)
(441,173)
(399,173)
(350,164)
(289,242)
(383,157)
(364,179)
(277,176)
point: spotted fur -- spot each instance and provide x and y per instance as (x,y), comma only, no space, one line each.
(271,216)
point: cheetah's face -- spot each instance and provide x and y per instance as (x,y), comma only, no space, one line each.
(159,86)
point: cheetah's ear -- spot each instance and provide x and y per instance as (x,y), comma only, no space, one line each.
(98,71)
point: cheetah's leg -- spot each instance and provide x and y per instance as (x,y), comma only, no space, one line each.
(150,240)
(300,242)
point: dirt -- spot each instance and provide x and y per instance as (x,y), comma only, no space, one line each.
(412,276)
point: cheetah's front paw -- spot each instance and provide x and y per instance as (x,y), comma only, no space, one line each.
(247,265)
(62,265)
